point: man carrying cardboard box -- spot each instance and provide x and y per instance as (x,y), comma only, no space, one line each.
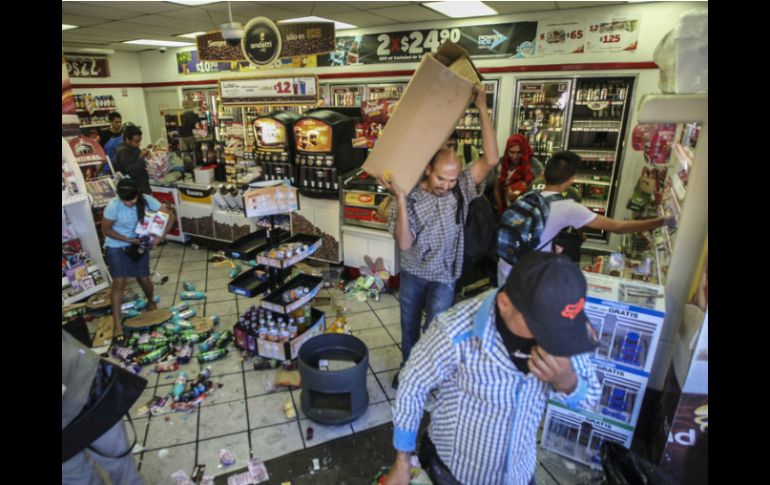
(427,224)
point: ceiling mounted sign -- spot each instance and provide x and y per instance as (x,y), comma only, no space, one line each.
(262,42)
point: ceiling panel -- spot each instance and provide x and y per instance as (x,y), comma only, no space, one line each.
(326,8)
(568,5)
(142,7)
(200,14)
(507,8)
(250,10)
(77,8)
(372,5)
(174,24)
(303,9)
(409,13)
(363,19)
(80,20)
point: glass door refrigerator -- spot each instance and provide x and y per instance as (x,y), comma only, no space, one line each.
(347,95)
(596,132)
(469,126)
(541,114)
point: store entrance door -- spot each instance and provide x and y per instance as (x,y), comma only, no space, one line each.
(157,101)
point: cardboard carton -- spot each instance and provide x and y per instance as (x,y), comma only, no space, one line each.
(265,201)
(435,98)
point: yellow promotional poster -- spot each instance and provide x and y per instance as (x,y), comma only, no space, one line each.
(359,199)
(269,133)
(313,136)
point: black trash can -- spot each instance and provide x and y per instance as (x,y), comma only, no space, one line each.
(334,396)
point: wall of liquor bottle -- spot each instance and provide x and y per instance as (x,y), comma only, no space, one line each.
(93,110)
(596,132)
(541,112)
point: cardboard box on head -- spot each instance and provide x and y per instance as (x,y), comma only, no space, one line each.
(438,93)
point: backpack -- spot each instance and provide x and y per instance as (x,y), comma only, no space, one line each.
(522,224)
(478,227)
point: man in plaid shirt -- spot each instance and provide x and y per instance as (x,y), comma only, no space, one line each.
(493,362)
(427,224)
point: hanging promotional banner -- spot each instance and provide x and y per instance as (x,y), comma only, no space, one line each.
(189,63)
(500,40)
(560,37)
(306,38)
(213,47)
(87,151)
(269,90)
(612,35)
(80,66)
(261,44)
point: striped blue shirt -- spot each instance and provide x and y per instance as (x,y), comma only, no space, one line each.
(487,413)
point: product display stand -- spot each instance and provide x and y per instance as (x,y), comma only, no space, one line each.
(284,297)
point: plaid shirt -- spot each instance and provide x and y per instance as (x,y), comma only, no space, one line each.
(486,416)
(437,251)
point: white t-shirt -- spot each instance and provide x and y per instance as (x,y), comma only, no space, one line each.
(563,213)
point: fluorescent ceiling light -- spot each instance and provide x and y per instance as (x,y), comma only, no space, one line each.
(68,27)
(157,43)
(87,50)
(193,3)
(337,25)
(191,35)
(459,10)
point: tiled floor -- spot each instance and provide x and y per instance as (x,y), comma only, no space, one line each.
(243,416)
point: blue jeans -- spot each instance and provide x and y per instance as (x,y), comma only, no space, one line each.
(416,294)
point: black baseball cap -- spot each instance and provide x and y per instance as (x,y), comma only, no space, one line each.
(550,291)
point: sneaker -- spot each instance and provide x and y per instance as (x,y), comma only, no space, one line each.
(394,384)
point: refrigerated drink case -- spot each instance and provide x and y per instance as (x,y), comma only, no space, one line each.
(542,113)
(597,129)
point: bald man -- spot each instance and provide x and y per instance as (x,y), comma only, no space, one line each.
(427,224)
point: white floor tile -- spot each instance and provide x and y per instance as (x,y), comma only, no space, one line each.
(394,330)
(189,274)
(350,304)
(323,433)
(386,301)
(222,419)
(140,425)
(256,380)
(208,453)
(376,393)
(146,395)
(231,390)
(274,441)
(375,415)
(172,429)
(221,308)
(158,470)
(192,256)
(268,410)
(214,296)
(386,358)
(374,337)
(386,379)
(189,266)
(364,320)
(389,316)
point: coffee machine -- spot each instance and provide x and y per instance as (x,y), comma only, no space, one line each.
(274,150)
(324,152)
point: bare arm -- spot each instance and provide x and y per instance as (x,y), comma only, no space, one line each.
(400,472)
(481,167)
(402,233)
(108,231)
(622,227)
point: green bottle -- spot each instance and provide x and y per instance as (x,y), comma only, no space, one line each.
(153,356)
(211,355)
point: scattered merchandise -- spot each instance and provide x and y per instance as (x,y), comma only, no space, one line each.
(226,458)
(289,410)
(192,295)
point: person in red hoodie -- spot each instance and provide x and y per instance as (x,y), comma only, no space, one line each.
(517,171)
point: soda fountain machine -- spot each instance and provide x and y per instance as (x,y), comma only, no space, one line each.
(275,145)
(325,152)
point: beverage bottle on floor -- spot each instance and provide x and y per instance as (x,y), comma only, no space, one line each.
(203,376)
(185,315)
(210,342)
(123,353)
(214,319)
(192,295)
(181,380)
(211,355)
(189,286)
(180,307)
(224,338)
(151,357)
(184,354)
(191,337)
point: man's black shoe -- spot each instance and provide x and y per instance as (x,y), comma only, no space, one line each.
(395,381)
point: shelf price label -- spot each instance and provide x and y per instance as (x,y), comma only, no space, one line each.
(565,36)
(612,35)
(269,91)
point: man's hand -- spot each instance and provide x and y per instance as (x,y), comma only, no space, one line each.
(556,371)
(400,473)
(391,185)
(481,96)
